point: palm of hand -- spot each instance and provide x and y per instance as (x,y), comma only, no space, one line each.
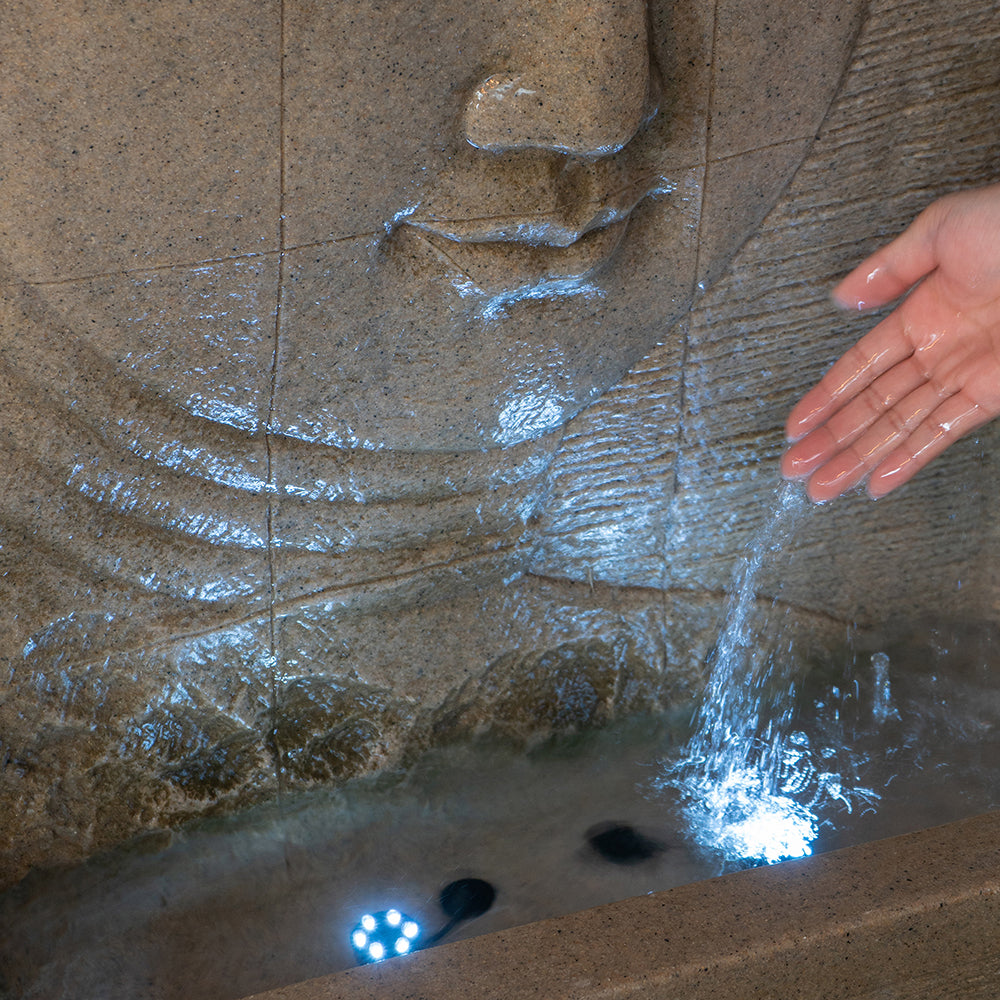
(927,374)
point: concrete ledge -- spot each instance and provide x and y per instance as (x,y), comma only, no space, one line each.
(911,917)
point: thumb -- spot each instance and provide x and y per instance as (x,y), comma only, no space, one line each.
(894,268)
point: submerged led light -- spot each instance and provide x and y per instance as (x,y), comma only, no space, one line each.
(381,935)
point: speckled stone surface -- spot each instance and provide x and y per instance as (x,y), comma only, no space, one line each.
(138,137)
(911,918)
(914,118)
(315,412)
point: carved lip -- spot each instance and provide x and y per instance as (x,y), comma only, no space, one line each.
(559,227)
(500,268)
(527,220)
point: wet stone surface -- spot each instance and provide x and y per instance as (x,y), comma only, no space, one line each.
(305,469)
(482,836)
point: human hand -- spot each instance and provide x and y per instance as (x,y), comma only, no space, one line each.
(926,375)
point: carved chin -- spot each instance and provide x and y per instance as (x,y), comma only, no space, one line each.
(421,343)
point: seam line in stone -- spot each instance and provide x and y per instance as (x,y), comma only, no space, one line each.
(268,426)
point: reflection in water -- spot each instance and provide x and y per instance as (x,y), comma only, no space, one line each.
(753,786)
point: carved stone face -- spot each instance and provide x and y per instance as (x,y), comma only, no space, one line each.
(486,212)
(296,299)
(417,229)
(502,206)
(506,198)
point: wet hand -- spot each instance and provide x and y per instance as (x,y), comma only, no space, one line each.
(926,375)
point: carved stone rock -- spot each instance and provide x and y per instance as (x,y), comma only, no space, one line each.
(350,357)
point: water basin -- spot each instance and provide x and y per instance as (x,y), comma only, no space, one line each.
(227,908)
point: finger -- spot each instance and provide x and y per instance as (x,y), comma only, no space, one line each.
(881,349)
(953,419)
(894,268)
(851,464)
(807,455)
(848,424)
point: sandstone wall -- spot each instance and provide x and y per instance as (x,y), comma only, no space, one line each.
(211,598)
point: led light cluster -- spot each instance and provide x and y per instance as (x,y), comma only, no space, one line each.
(383,935)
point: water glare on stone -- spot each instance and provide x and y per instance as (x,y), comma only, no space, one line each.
(753,786)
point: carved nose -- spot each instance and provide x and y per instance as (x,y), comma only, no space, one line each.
(580,82)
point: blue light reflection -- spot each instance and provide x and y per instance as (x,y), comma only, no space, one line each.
(762,801)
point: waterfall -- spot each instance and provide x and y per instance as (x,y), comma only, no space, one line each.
(751,783)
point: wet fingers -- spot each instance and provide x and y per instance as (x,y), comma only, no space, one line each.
(954,418)
(849,466)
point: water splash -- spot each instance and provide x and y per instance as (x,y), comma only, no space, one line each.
(882,707)
(753,788)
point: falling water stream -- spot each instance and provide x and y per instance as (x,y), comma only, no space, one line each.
(752,784)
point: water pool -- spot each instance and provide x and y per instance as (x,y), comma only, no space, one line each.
(231,907)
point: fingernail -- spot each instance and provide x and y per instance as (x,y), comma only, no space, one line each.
(842,302)
(803,457)
(839,476)
(876,488)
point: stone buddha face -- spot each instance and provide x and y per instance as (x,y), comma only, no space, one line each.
(488,211)
(312,277)
(296,300)
(491,210)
